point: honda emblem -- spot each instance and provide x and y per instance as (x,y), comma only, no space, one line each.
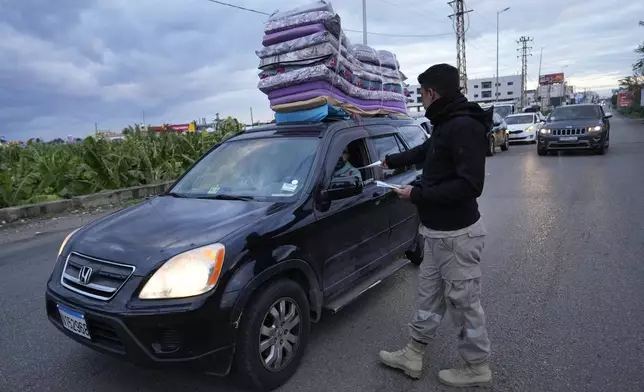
(85,275)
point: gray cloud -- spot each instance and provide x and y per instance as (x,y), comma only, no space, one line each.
(72,63)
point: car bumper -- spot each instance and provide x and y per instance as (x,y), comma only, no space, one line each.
(194,339)
(522,137)
(582,142)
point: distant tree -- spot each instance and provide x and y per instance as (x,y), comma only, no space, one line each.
(229,126)
(638,67)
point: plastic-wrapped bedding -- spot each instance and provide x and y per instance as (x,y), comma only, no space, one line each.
(336,95)
(320,5)
(331,22)
(371,110)
(289,52)
(321,72)
(351,73)
(367,54)
(273,39)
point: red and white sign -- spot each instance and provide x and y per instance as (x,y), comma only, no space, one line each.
(624,99)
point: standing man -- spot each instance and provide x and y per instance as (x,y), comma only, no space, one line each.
(453,174)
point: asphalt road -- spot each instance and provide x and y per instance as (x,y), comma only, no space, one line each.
(563,292)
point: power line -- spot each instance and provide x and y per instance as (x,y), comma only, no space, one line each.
(351,30)
(402,35)
(239,7)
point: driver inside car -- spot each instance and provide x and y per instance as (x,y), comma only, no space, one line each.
(344,168)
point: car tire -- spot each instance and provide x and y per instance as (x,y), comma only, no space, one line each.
(541,151)
(491,146)
(506,144)
(270,306)
(417,253)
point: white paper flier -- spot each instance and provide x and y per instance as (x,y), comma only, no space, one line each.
(386,185)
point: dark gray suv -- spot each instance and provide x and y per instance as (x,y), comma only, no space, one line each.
(575,127)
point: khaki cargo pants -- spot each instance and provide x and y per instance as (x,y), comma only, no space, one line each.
(450,276)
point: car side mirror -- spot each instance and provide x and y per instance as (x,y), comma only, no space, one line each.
(496,124)
(608,115)
(342,188)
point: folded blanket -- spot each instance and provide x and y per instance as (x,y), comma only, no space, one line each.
(348,71)
(350,108)
(331,22)
(320,5)
(338,96)
(383,58)
(289,52)
(322,73)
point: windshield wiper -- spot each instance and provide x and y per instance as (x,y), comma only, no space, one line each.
(175,194)
(227,197)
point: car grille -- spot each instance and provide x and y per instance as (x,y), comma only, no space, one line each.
(94,278)
(568,131)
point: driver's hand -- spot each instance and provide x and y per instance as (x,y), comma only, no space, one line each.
(384,165)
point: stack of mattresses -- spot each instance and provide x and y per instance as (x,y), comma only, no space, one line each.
(307,62)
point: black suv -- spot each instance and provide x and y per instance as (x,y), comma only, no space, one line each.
(575,127)
(246,249)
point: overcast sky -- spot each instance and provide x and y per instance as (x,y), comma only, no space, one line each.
(68,64)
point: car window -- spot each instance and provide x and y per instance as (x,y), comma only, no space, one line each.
(574,112)
(257,168)
(414,136)
(520,119)
(352,159)
(387,145)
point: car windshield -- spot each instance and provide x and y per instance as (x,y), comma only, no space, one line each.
(525,119)
(251,169)
(574,112)
(503,111)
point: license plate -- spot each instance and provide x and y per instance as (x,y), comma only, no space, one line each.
(74,321)
(568,138)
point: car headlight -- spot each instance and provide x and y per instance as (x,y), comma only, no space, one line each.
(530,128)
(595,129)
(62,246)
(185,275)
(545,131)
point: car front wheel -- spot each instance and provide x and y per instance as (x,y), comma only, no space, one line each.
(491,149)
(273,335)
(417,253)
(506,144)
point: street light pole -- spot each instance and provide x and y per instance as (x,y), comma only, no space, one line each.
(364,22)
(563,84)
(496,84)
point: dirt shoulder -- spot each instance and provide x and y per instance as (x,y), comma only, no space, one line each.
(25,229)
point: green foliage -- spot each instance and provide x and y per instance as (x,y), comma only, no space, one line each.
(41,172)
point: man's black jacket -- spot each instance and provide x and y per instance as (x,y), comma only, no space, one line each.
(453,164)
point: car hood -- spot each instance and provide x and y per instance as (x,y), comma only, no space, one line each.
(518,127)
(573,123)
(153,231)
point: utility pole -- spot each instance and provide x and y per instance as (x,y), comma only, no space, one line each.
(496,94)
(458,6)
(539,79)
(144,117)
(523,41)
(251,117)
(364,22)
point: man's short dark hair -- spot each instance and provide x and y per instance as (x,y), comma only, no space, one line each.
(441,77)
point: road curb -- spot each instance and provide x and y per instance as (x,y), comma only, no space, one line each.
(117,196)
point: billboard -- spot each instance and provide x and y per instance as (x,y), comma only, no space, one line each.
(624,99)
(551,78)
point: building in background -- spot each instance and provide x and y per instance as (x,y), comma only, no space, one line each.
(414,100)
(484,89)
